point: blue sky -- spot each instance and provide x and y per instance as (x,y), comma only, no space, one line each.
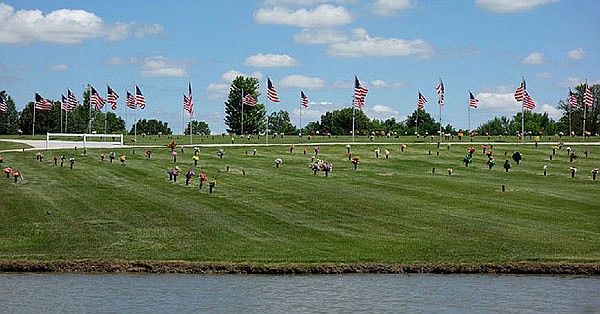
(396,47)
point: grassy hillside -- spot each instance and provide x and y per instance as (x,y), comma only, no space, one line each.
(391,210)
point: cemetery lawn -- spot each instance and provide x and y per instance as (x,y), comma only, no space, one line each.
(392,210)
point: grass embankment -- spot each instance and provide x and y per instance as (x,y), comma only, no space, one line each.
(390,211)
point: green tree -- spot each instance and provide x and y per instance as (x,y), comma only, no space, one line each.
(592,115)
(45,120)
(9,120)
(535,123)
(426,123)
(254,116)
(280,122)
(198,127)
(339,122)
(151,127)
(496,126)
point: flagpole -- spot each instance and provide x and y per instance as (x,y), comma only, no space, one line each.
(61,118)
(33,131)
(242,109)
(584,110)
(90,109)
(523,111)
(134,111)
(267,111)
(440,105)
(300,126)
(570,113)
(353,117)
(105,114)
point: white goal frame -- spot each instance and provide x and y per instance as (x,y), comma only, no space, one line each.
(84,135)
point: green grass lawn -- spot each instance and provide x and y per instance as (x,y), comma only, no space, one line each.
(391,210)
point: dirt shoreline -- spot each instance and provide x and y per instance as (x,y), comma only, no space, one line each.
(184,267)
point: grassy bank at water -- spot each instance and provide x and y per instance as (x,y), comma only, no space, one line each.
(389,211)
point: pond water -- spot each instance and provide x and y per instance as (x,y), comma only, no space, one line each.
(380,293)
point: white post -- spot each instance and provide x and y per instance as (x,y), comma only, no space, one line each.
(353,118)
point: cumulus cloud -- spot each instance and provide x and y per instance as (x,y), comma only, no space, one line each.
(576,54)
(230,75)
(299,3)
(319,36)
(534,58)
(58,67)
(498,102)
(510,6)
(384,84)
(218,87)
(325,15)
(362,45)
(553,113)
(270,60)
(160,66)
(301,81)
(63,26)
(543,75)
(382,112)
(576,81)
(391,7)
(121,31)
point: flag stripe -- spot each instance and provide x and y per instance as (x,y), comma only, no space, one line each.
(95,99)
(41,103)
(111,97)
(360,93)
(421,102)
(303,100)
(472,100)
(588,98)
(528,102)
(248,99)
(140,100)
(3,104)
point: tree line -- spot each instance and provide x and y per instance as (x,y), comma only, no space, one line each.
(80,120)
(339,122)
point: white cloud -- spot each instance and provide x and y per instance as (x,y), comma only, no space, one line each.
(384,84)
(363,45)
(64,26)
(382,112)
(218,87)
(553,112)
(576,54)
(301,81)
(270,60)
(497,102)
(576,81)
(534,58)
(121,31)
(324,15)
(391,7)
(230,75)
(319,36)
(299,3)
(160,66)
(510,6)
(543,75)
(58,67)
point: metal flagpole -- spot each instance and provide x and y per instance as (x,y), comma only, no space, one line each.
(105,114)
(90,109)
(267,111)
(353,117)
(570,113)
(523,112)
(33,129)
(469,111)
(61,118)
(300,126)
(134,111)
(242,109)
(584,110)
(440,105)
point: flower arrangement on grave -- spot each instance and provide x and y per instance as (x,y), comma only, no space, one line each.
(594,173)
(278,162)
(355,161)
(172,145)
(450,171)
(403,147)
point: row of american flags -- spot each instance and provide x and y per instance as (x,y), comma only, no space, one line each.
(137,100)
(70,102)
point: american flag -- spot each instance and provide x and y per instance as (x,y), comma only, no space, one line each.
(303,100)
(3,104)
(359,93)
(188,105)
(421,102)
(139,98)
(72,99)
(572,99)
(188,102)
(472,100)
(528,101)
(520,92)
(96,99)
(588,98)
(41,103)
(64,105)
(440,90)
(248,99)
(130,101)
(111,97)
(271,92)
